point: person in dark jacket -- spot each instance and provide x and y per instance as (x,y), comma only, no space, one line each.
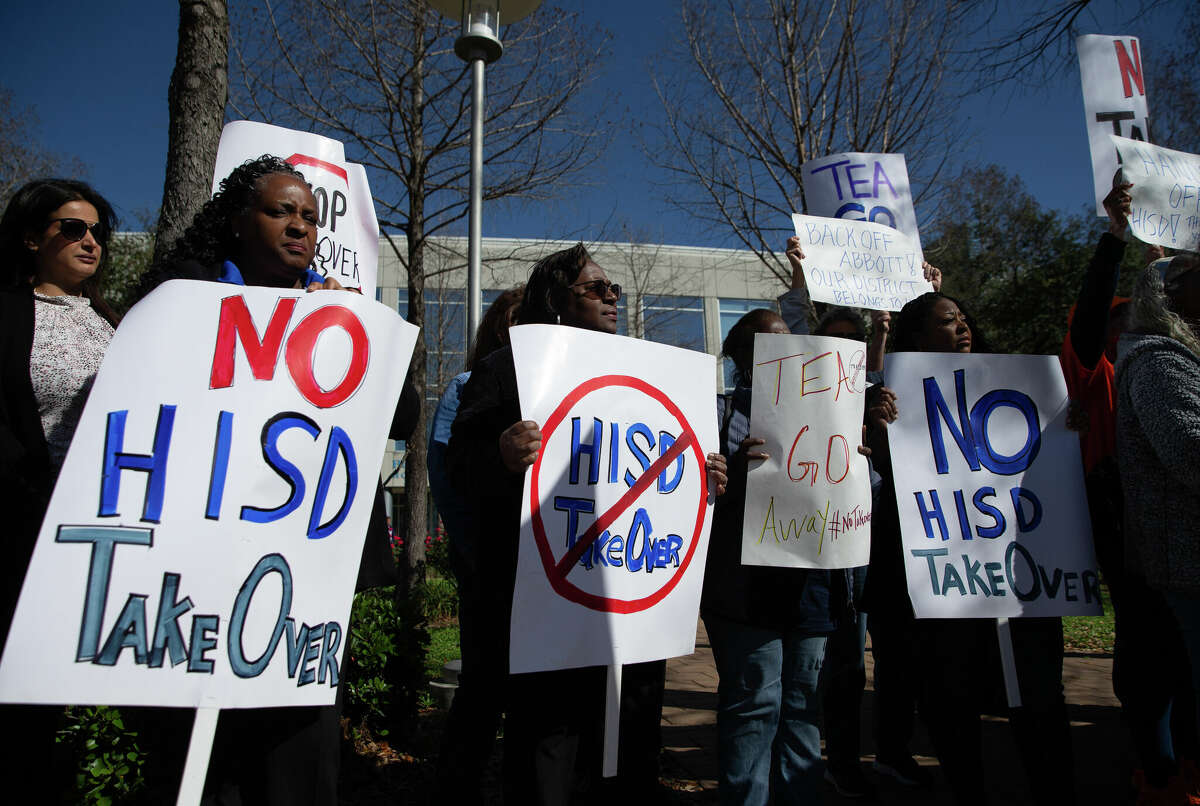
(54,329)
(549,715)
(1151,673)
(260,229)
(767,626)
(478,704)
(1158,433)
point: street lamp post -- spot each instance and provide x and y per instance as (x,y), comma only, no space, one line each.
(478,45)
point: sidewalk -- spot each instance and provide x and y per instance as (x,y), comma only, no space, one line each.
(1102,756)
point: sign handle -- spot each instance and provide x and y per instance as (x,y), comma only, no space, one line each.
(612,720)
(195,770)
(1008,662)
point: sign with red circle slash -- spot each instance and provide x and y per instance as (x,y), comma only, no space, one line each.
(616,508)
(558,568)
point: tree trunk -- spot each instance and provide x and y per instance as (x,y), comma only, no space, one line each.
(416,480)
(196,100)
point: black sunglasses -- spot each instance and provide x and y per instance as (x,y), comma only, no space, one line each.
(598,289)
(74,229)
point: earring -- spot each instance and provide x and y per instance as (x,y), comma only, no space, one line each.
(557,319)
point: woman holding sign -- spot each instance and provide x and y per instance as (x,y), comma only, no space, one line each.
(955,662)
(260,229)
(54,329)
(552,718)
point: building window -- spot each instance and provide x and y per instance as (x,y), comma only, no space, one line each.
(678,321)
(731,311)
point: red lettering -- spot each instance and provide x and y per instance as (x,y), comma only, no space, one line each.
(303,342)
(808,466)
(1130,68)
(829,459)
(804,380)
(235,324)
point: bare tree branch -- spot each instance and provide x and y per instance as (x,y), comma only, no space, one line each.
(766,86)
(382,77)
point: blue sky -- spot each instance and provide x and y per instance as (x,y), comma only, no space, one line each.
(96,75)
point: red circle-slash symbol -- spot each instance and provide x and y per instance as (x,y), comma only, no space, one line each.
(557,570)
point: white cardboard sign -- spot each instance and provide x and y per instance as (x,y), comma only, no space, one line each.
(862,187)
(1165,208)
(1114,101)
(989,487)
(202,542)
(809,504)
(859,263)
(616,510)
(348,232)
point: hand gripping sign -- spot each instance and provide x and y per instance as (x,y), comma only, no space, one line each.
(1165,208)
(809,504)
(1114,101)
(347,230)
(862,187)
(615,517)
(859,263)
(989,488)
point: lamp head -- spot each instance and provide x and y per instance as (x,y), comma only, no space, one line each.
(480,37)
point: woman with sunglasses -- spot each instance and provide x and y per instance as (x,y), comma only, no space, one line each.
(54,328)
(260,229)
(552,718)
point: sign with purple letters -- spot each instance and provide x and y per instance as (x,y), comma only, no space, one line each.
(1165,207)
(859,263)
(202,542)
(862,187)
(989,488)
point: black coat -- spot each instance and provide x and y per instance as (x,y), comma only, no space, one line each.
(25,477)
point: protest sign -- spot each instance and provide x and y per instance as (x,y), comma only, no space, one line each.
(989,488)
(1165,205)
(858,263)
(347,230)
(616,512)
(1114,101)
(202,542)
(862,187)
(809,504)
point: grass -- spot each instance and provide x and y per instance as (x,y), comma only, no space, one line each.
(1090,634)
(443,647)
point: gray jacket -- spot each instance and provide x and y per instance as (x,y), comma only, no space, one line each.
(1158,449)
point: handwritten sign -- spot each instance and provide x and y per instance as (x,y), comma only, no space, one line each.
(989,486)
(202,543)
(1114,101)
(616,515)
(348,231)
(858,263)
(809,504)
(862,187)
(1165,208)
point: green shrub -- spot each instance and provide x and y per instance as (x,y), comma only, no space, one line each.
(385,658)
(441,599)
(108,759)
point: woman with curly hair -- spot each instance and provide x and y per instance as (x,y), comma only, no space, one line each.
(261,229)
(54,329)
